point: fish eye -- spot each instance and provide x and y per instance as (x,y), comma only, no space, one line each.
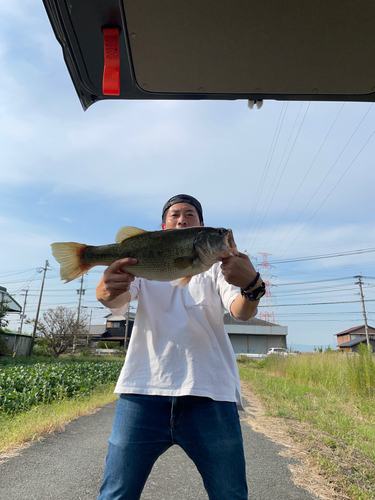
(221,231)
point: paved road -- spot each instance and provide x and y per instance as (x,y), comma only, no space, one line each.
(69,465)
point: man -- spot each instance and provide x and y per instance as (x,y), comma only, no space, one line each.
(180,383)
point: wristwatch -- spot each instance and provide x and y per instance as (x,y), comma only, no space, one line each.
(254,294)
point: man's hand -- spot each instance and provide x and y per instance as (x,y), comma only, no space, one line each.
(239,271)
(112,290)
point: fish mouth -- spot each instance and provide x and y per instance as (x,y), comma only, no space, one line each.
(230,243)
(214,244)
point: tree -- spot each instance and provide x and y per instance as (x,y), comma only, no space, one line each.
(59,329)
(3,312)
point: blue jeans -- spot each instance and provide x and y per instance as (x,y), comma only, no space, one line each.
(145,427)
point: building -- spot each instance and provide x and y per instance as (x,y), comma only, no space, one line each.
(349,340)
(254,336)
(17,345)
(96,331)
(9,301)
(115,329)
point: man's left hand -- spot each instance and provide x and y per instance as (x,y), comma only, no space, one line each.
(238,270)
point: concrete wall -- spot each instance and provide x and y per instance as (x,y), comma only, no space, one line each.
(255,344)
(21,341)
(257,329)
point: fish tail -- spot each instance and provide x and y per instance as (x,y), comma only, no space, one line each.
(70,258)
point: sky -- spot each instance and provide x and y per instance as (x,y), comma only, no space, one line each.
(293,180)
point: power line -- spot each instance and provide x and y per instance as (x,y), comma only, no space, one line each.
(324,256)
(265,169)
(334,187)
(286,163)
(322,303)
(307,173)
(315,281)
(335,290)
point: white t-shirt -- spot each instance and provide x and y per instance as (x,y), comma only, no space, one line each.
(179,345)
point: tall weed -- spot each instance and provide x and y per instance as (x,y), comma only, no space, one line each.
(360,372)
(340,373)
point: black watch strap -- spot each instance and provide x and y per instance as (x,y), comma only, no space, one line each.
(256,294)
(253,283)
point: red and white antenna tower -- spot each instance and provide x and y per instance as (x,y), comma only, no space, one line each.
(267,314)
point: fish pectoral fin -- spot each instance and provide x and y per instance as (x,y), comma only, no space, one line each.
(183,262)
(128,232)
(181,282)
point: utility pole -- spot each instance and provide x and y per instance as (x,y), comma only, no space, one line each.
(359,278)
(22,318)
(88,333)
(127,328)
(40,301)
(86,307)
(80,292)
(127,339)
(24,309)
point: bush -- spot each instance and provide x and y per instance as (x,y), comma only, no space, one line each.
(246,360)
(41,348)
(86,352)
(120,351)
(111,344)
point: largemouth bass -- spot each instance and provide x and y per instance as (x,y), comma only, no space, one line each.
(171,255)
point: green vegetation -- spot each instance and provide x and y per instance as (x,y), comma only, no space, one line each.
(3,312)
(3,347)
(31,425)
(333,396)
(42,394)
(24,386)
(110,344)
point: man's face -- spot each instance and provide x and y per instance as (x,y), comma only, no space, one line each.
(181,215)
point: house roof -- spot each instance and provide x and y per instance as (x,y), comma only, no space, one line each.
(357,341)
(97,329)
(9,301)
(113,338)
(137,49)
(354,329)
(228,320)
(112,317)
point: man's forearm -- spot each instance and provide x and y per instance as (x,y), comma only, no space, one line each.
(108,300)
(243,309)
(118,302)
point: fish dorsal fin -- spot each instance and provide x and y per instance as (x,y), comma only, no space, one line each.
(181,282)
(128,232)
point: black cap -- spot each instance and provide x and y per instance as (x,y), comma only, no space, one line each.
(183,198)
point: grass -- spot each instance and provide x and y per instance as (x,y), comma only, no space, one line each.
(333,396)
(31,425)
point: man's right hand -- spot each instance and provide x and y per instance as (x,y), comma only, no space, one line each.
(113,288)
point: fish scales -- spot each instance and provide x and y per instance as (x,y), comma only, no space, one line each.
(156,253)
(170,255)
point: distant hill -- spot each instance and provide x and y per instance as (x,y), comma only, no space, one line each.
(309,348)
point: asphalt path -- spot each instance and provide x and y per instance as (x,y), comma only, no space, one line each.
(69,465)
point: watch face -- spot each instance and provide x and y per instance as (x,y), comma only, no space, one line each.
(260,294)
